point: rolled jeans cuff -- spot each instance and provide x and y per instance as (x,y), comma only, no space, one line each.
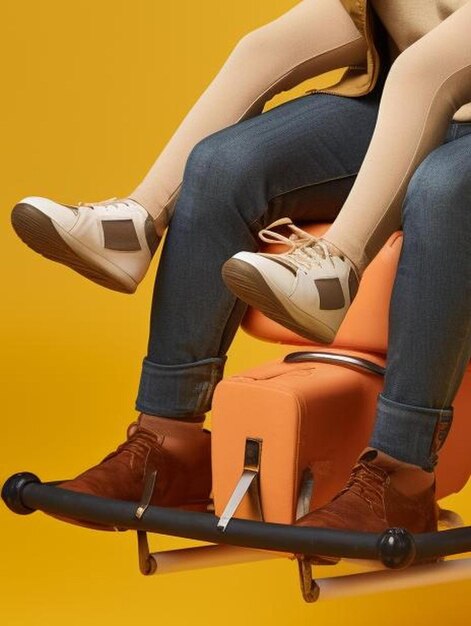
(412,434)
(180,391)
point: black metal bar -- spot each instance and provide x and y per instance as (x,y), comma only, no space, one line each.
(395,548)
(199,526)
(455,541)
(345,360)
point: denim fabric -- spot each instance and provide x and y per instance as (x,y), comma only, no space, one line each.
(300,159)
(430,312)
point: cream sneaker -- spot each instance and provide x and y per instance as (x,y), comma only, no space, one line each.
(110,242)
(307,289)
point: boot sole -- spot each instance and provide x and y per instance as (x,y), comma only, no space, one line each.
(247,283)
(38,232)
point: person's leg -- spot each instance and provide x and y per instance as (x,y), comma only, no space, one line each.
(429,349)
(430,314)
(427,83)
(234,181)
(231,179)
(311,38)
(112,242)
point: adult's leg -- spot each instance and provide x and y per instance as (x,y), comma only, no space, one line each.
(313,37)
(430,314)
(230,180)
(392,484)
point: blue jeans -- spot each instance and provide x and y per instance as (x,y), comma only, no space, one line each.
(430,311)
(300,159)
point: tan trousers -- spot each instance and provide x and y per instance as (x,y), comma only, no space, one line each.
(314,37)
(426,85)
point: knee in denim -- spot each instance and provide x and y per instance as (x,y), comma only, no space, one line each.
(226,165)
(438,192)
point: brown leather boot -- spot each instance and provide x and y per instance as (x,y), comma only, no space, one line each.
(182,462)
(381,493)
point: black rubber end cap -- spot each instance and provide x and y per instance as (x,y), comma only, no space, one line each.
(396,548)
(12,490)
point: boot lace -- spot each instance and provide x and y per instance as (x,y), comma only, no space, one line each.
(367,482)
(138,442)
(304,249)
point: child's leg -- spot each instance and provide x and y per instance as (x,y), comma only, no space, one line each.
(315,36)
(112,242)
(426,85)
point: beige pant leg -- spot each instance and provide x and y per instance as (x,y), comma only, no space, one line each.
(427,83)
(314,37)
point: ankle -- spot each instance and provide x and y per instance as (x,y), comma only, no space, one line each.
(338,252)
(332,249)
(171,427)
(159,216)
(407,478)
(135,197)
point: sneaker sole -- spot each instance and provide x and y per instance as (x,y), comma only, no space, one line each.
(38,232)
(246,282)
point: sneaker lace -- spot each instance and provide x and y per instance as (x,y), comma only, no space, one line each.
(304,248)
(109,205)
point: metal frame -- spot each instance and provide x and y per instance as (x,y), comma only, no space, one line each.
(247,540)
(352,362)
(396,548)
(248,483)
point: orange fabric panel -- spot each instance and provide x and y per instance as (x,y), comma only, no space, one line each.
(313,415)
(308,415)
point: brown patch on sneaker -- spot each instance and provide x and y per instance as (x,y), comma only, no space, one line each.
(285,265)
(152,237)
(120,235)
(352,284)
(246,282)
(331,294)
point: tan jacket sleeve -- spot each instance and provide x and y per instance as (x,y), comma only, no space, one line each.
(426,85)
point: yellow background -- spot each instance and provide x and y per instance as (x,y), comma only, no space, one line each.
(91,91)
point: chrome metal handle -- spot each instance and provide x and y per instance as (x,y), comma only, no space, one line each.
(345,360)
